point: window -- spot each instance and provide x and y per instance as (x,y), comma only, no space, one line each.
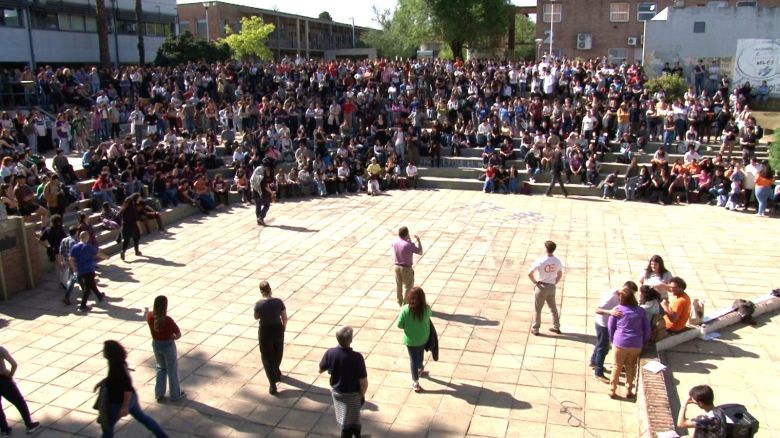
(619,12)
(553,12)
(157,29)
(201,30)
(646,11)
(90,24)
(71,22)
(184,26)
(10,17)
(699,26)
(45,20)
(617,56)
(747,2)
(126,27)
(718,4)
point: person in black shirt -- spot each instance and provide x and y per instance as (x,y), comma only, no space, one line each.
(557,170)
(273,319)
(120,396)
(348,382)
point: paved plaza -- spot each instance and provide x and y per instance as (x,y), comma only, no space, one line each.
(330,261)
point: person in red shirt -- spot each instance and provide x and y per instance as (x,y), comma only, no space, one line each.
(165,332)
(490,179)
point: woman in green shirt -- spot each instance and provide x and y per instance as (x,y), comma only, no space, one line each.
(415,320)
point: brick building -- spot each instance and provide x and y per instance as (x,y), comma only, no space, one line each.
(294,34)
(595,28)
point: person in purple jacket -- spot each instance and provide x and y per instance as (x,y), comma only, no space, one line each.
(628,334)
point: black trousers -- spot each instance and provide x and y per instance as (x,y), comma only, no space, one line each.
(271,350)
(351,431)
(556,176)
(127,234)
(89,284)
(10,392)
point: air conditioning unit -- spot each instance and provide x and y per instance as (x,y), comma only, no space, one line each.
(679,3)
(632,41)
(584,41)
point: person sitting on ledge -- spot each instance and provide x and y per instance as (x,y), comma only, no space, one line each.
(677,307)
(710,424)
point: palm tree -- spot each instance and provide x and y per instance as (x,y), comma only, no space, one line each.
(140,28)
(102,29)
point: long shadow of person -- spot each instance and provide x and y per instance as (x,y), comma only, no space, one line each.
(476,395)
(464,319)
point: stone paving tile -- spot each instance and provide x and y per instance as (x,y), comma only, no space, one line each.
(329,260)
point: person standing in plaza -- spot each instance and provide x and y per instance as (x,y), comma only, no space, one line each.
(607,307)
(628,333)
(403,250)
(273,319)
(10,392)
(415,320)
(131,226)
(558,168)
(83,260)
(165,332)
(348,382)
(545,274)
(121,398)
(70,276)
(262,183)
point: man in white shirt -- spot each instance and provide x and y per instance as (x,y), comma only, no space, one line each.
(607,306)
(545,274)
(411,175)
(751,171)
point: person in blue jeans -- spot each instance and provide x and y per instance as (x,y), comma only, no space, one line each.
(120,396)
(607,307)
(64,255)
(415,321)
(165,332)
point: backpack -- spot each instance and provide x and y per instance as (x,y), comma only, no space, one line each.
(256,180)
(742,424)
(745,309)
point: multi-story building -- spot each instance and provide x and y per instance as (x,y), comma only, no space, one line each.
(65,31)
(294,34)
(612,28)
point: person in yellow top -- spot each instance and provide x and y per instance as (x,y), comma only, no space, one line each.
(373,171)
(764,182)
(622,121)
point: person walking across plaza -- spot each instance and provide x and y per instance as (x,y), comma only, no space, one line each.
(415,320)
(262,183)
(273,319)
(348,382)
(131,226)
(83,260)
(545,274)
(165,332)
(403,250)
(556,174)
(10,392)
(607,307)
(70,276)
(120,396)
(628,333)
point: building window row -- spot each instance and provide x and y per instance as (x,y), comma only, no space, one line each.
(619,12)
(86,23)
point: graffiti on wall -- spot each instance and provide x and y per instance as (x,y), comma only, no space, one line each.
(758,60)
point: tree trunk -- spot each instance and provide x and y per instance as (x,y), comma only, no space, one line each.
(140,28)
(457,49)
(102,29)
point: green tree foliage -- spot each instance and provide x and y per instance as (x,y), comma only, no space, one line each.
(525,36)
(252,40)
(402,30)
(467,22)
(674,86)
(185,48)
(325,15)
(774,152)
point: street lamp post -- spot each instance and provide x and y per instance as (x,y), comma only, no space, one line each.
(538,48)
(552,21)
(29,34)
(353,32)
(206,7)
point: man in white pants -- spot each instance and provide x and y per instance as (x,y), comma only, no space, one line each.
(545,274)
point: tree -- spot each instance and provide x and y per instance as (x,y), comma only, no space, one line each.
(139,24)
(325,15)
(252,40)
(403,30)
(467,22)
(525,36)
(102,29)
(176,50)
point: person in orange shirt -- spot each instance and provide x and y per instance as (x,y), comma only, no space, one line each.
(764,182)
(678,307)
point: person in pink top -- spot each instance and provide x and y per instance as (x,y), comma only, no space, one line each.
(403,250)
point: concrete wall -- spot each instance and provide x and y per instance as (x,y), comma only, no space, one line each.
(673,39)
(65,47)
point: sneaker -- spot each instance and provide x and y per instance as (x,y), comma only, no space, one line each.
(66,301)
(122,255)
(535,332)
(33,427)
(416,387)
(555,330)
(181,396)
(272,389)
(84,308)
(601,378)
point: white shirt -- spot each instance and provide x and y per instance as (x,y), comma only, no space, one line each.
(547,268)
(608,301)
(411,170)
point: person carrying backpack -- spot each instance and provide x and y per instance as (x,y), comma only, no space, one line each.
(710,424)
